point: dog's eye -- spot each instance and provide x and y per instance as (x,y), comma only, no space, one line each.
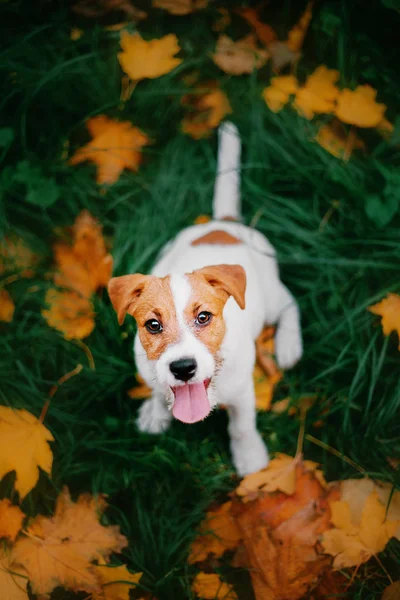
(153,326)
(203,318)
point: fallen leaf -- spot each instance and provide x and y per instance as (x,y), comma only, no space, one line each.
(180,7)
(140,391)
(148,60)
(16,257)
(298,33)
(115,146)
(389,310)
(57,551)
(392,592)
(11,518)
(332,585)
(359,107)
(7,306)
(280,89)
(12,582)
(238,58)
(24,448)
(222,21)
(210,587)
(337,141)
(281,55)
(75,34)
(206,111)
(218,533)
(263,31)
(115,582)
(99,8)
(264,387)
(319,93)
(201,219)
(69,313)
(362,523)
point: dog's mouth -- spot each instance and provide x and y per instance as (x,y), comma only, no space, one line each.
(191,402)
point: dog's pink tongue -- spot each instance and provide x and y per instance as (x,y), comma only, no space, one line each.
(191,403)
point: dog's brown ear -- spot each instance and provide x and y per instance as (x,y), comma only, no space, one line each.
(229,278)
(125,292)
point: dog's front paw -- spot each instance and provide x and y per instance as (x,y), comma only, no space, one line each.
(288,348)
(249,454)
(153,417)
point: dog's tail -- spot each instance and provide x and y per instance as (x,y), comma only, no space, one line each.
(226,202)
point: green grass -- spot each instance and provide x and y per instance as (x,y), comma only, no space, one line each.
(309,204)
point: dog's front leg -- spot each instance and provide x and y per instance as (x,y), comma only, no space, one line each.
(249,453)
(154,416)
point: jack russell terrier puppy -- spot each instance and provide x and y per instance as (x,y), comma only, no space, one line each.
(199,312)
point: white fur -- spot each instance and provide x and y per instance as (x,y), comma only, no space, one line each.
(268,301)
(226,200)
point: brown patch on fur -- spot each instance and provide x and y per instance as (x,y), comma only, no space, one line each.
(230,279)
(217,237)
(147,297)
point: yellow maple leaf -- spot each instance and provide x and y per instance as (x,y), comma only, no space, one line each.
(319,93)
(7,306)
(57,551)
(180,7)
(389,310)
(69,313)
(238,58)
(218,533)
(148,60)
(361,526)
(298,33)
(206,111)
(11,518)
(337,141)
(115,146)
(24,448)
(279,91)
(12,581)
(210,587)
(116,582)
(359,107)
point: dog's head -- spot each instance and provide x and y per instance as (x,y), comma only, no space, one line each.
(181,327)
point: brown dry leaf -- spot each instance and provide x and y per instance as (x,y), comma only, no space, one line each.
(222,21)
(359,107)
(389,310)
(7,306)
(69,313)
(279,91)
(11,518)
(115,582)
(362,523)
(115,146)
(238,58)
(332,585)
(148,60)
(16,257)
(180,7)
(140,391)
(263,31)
(337,141)
(99,8)
(319,93)
(298,33)
(206,111)
(12,582)
(210,587)
(281,55)
(58,551)
(218,533)
(392,592)
(24,448)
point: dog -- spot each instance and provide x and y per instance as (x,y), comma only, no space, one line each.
(199,312)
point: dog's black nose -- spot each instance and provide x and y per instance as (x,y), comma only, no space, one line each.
(183,369)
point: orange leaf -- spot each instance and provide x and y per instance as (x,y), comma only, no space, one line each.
(69,313)
(58,551)
(142,390)
(115,146)
(210,587)
(201,219)
(335,140)
(218,533)
(359,107)
(12,582)
(279,91)
(148,60)
(263,31)
(207,111)
(298,33)
(239,57)
(392,592)
(180,7)
(264,386)
(318,94)
(115,582)
(24,448)
(389,310)
(11,518)
(7,306)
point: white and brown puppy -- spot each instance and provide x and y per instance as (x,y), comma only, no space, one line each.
(199,312)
